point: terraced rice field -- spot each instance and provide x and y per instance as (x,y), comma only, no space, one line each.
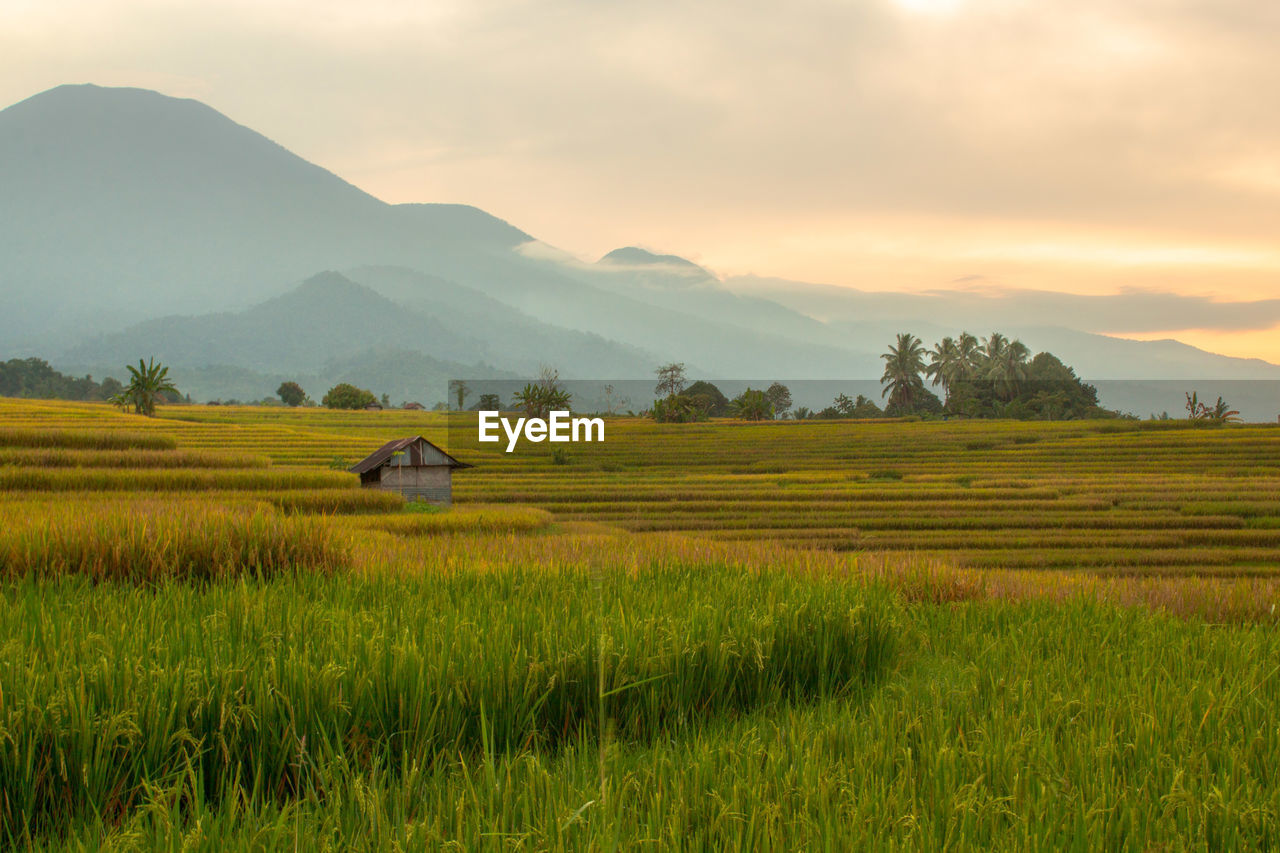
(897,636)
(1110,497)
(1106,496)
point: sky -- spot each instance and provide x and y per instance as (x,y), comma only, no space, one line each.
(1082,146)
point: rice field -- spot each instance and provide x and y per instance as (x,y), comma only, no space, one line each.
(1116,497)
(724,636)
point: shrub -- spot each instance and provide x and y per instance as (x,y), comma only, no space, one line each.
(678,409)
(347,396)
(752,405)
(291,394)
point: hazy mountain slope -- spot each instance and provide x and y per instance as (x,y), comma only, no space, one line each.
(507,336)
(131,205)
(405,376)
(330,317)
(976,305)
(326,317)
(871,320)
(552,294)
(121,203)
(1107,357)
(674,283)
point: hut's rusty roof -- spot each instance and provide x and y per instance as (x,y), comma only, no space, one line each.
(383,454)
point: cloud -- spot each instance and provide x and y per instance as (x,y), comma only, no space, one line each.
(658,273)
(733,131)
(540,251)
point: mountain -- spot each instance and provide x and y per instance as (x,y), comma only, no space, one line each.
(1106,357)
(716,339)
(674,283)
(125,209)
(327,330)
(129,205)
(121,203)
(332,316)
(977,306)
(326,317)
(403,375)
(502,334)
(877,316)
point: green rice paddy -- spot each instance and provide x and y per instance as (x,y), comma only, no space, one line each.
(780,636)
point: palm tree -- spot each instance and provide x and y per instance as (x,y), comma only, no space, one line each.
(1220,413)
(147,382)
(969,353)
(538,399)
(992,350)
(969,365)
(752,405)
(945,364)
(1007,365)
(1223,413)
(903,364)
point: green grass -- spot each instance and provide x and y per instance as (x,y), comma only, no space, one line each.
(1015,727)
(260,693)
(924,636)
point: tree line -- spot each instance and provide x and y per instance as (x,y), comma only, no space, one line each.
(681,402)
(34,378)
(992,377)
(995,377)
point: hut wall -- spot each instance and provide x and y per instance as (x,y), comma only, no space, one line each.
(433,483)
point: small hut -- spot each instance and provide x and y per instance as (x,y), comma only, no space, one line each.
(413,466)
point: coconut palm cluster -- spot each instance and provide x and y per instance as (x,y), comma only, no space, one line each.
(992,377)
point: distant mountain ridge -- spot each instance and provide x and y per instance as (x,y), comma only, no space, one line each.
(331,317)
(121,201)
(136,221)
(326,317)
